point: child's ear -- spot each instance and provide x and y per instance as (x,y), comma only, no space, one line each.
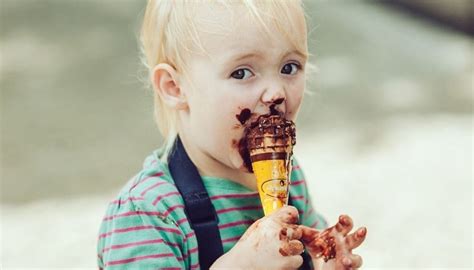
(166,84)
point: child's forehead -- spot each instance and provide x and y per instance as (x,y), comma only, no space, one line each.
(235,29)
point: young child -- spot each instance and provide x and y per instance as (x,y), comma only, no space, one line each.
(208,61)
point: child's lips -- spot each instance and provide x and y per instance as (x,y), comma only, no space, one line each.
(247,118)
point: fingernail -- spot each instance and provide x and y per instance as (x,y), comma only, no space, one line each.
(289,233)
(343,220)
(362,232)
(283,252)
(346,261)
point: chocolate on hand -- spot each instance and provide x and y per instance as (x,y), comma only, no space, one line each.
(335,243)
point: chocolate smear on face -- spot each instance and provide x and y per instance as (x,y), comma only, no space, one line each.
(274,111)
(243,116)
(279,101)
(244,153)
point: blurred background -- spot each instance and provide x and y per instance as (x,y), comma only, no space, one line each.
(386,135)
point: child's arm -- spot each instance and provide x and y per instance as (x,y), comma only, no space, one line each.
(266,244)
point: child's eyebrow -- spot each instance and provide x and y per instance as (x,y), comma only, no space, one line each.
(246,56)
(259,54)
(300,54)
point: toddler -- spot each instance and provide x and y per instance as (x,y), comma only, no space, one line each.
(214,65)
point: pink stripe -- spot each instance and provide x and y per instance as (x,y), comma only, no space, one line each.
(315,224)
(171,268)
(138,228)
(297,182)
(148,213)
(139,258)
(152,187)
(126,200)
(158,174)
(141,243)
(130,229)
(233,224)
(171,209)
(295,168)
(180,221)
(189,235)
(196,265)
(236,195)
(252,207)
(193,250)
(133,213)
(164,196)
(233,239)
(297,197)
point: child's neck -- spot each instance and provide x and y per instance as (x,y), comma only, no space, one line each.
(209,166)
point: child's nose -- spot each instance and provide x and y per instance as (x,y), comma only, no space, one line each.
(273,95)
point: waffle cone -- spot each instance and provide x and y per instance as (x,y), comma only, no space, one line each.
(270,143)
(271,167)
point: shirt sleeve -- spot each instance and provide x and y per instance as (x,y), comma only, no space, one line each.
(135,236)
(303,201)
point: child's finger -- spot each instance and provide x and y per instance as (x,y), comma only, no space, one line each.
(308,234)
(291,248)
(354,240)
(344,225)
(287,214)
(293,262)
(352,261)
(291,232)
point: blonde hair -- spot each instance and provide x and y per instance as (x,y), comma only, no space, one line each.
(169,32)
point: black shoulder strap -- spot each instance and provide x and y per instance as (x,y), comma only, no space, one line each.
(199,209)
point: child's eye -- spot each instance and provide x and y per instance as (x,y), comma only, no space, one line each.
(241,74)
(290,68)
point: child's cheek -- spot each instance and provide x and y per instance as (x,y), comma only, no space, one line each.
(294,104)
(239,155)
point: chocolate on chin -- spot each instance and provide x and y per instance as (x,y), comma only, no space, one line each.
(269,142)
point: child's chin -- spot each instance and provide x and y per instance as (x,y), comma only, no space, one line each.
(237,163)
(243,168)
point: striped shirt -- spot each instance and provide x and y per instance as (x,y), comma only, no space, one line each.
(146,227)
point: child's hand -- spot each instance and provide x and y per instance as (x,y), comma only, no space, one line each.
(335,242)
(269,243)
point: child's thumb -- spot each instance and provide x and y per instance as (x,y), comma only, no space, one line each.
(286,214)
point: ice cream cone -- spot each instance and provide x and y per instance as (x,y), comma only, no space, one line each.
(270,145)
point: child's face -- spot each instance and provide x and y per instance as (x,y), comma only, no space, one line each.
(244,69)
